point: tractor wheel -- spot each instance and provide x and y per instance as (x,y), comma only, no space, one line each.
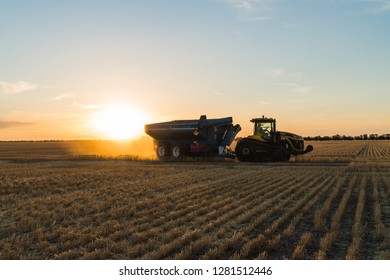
(244,151)
(177,152)
(162,152)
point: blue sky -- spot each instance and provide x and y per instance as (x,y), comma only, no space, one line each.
(318,67)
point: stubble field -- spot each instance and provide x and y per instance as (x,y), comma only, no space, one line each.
(56,203)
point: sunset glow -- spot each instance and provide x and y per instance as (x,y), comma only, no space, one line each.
(318,67)
(119,122)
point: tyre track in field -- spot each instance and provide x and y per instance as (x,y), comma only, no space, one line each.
(202,219)
(384,191)
(301,222)
(369,246)
(271,194)
(250,231)
(36,206)
(328,217)
(188,213)
(339,247)
(272,235)
(202,216)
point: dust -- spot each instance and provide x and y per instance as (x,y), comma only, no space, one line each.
(142,148)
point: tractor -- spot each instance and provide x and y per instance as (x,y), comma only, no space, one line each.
(268,144)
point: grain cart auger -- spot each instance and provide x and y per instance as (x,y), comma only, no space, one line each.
(267,144)
(202,137)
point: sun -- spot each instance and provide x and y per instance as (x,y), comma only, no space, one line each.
(118,122)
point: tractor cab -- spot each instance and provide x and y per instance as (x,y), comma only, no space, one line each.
(264,130)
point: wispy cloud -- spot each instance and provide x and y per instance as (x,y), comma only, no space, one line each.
(281,72)
(213,91)
(87,106)
(253,10)
(261,102)
(379,6)
(275,72)
(260,10)
(63,96)
(259,18)
(21,117)
(240,4)
(250,5)
(297,88)
(278,76)
(372,6)
(8,124)
(385,7)
(16,87)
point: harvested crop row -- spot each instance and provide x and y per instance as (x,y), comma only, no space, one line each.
(132,210)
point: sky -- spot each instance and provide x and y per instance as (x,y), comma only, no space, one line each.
(72,69)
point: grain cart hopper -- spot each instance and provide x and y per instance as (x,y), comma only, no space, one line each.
(202,137)
(267,144)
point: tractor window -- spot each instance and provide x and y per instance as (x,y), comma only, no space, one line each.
(264,129)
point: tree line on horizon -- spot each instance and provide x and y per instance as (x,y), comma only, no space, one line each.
(347,137)
(308,138)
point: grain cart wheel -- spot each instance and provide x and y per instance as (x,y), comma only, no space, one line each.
(177,152)
(244,151)
(162,151)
